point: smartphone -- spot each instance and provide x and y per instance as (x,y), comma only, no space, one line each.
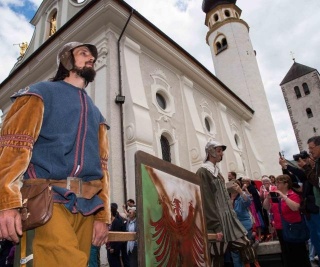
(274,197)
(280,155)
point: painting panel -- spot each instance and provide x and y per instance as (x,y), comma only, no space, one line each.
(171,226)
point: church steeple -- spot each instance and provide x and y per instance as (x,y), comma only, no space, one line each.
(208,5)
(232,52)
(236,66)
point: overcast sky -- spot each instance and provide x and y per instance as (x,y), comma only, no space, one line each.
(277,27)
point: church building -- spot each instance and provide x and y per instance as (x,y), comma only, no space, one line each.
(155,96)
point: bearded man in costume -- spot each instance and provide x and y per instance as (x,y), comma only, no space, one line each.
(54,133)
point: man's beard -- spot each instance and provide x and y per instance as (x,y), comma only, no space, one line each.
(87,73)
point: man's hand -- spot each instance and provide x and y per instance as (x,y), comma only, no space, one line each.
(283,162)
(100,233)
(10,225)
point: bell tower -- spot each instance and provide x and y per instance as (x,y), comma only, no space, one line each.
(233,56)
(236,66)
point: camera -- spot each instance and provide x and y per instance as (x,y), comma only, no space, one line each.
(274,197)
(303,155)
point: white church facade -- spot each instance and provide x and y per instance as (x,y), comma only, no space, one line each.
(155,96)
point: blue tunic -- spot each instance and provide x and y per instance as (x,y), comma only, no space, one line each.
(68,143)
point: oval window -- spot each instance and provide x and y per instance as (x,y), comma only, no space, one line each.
(207,123)
(161,101)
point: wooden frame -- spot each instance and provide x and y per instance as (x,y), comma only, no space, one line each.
(171,225)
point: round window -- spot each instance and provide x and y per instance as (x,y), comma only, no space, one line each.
(78,1)
(161,101)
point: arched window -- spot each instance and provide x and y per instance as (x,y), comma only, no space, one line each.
(309,113)
(218,45)
(297,91)
(216,17)
(165,147)
(306,89)
(224,43)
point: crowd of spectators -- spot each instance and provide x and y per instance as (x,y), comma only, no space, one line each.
(293,197)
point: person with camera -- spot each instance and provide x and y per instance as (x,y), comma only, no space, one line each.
(271,204)
(241,201)
(311,167)
(295,251)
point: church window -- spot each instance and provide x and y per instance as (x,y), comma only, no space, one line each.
(236,139)
(78,1)
(207,123)
(218,45)
(297,91)
(306,89)
(161,101)
(221,43)
(216,17)
(227,13)
(224,43)
(309,113)
(165,147)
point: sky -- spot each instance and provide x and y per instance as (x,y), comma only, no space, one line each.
(277,29)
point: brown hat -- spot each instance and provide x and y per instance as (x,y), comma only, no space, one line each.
(65,53)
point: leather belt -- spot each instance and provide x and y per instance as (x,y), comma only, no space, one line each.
(76,185)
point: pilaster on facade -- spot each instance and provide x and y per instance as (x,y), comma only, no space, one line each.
(196,137)
(233,153)
(256,164)
(137,121)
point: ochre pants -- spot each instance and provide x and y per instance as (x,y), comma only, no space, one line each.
(63,241)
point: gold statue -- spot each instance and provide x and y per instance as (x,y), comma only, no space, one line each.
(53,24)
(23,47)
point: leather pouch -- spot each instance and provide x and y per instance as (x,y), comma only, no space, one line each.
(37,203)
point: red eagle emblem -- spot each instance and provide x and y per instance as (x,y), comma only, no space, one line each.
(180,242)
